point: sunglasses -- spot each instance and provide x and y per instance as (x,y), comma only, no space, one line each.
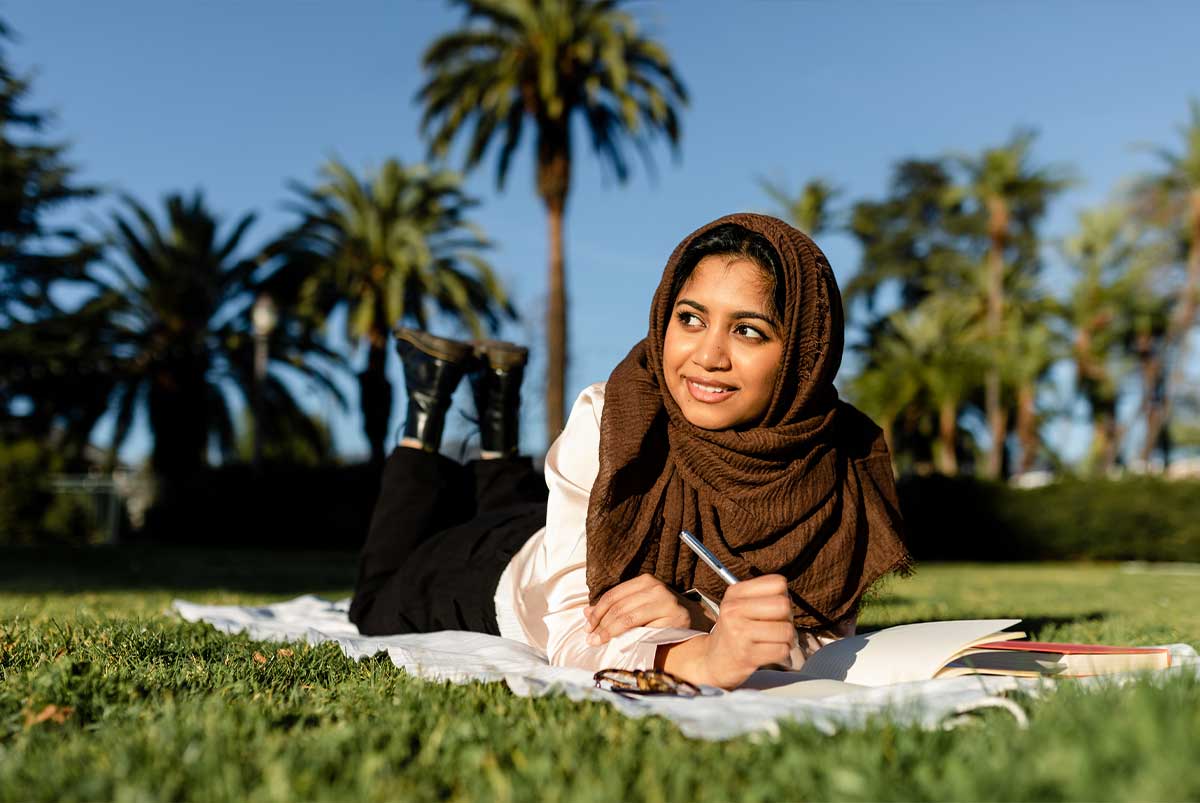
(644,682)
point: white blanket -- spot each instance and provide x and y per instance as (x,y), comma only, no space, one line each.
(462,657)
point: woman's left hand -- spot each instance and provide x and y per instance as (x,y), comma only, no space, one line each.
(644,601)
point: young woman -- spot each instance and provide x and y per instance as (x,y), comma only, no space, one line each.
(723,421)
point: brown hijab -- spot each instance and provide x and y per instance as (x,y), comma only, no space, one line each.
(807,492)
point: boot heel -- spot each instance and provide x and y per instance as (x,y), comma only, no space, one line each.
(496,386)
(433,367)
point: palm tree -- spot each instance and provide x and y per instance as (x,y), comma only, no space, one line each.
(884,389)
(1171,198)
(543,62)
(1014,194)
(809,210)
(1112,263)
(1031,347)
(938,338)
(395,246)
(171,316)
(922,365)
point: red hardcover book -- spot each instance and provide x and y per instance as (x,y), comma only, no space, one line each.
(1059,659)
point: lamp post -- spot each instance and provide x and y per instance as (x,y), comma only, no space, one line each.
(263,317)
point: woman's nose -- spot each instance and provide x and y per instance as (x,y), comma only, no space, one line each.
(713,352)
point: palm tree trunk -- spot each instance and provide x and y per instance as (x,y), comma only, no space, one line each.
(554,181)
(1027,426)
(375,394)
(993,404)
(888,425)
(178,412)
(556,328)
(1103,452)
(947,457)
(1150,363)
(179,418)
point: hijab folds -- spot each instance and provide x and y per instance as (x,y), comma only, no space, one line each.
(807,492)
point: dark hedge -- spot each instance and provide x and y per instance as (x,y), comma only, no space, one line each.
(1141,518)
(946,518)
(280,507)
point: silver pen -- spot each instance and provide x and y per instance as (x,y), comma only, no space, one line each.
(708,557)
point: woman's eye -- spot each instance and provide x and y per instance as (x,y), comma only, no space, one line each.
(689,319)
(747,331)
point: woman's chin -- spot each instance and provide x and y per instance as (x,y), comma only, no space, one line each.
(706,417)
(713,415)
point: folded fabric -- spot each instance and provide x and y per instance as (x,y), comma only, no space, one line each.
(462,657)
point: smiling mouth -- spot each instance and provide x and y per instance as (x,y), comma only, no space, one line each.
(709,393)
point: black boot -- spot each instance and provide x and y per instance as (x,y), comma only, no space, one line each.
(433,367)
(497,389)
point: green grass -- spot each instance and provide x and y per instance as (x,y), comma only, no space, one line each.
(154,708)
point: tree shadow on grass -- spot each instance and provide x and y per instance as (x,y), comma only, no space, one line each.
(36,570)
(1032,625)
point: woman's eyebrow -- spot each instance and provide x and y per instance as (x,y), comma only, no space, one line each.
(738,314)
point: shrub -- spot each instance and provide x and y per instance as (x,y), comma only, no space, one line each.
(30,511)
(283,506)
(25,497)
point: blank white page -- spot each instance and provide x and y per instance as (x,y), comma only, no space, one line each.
(900,654)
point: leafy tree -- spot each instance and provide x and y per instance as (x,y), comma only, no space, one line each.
(396,246)
(919,239)
(172,313)
(35,179)
(1170,198)
(544,62)
(811,209)
(1005,185)
(55,375)
(287,441)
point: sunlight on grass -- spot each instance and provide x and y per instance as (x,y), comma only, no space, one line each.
(137,704)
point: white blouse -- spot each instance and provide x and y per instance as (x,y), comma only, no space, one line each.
(542,593)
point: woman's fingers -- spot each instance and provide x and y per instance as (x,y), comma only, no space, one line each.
(772,608)
(640,610)
(766,585)
(769,632)
(595,613)
(636,610)
(765,653)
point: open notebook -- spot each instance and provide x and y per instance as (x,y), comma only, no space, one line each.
(930,650)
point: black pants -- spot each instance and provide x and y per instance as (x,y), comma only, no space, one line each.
(441,535)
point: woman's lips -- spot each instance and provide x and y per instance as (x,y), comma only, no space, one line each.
(709,394)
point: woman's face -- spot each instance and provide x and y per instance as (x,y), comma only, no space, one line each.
(723,346)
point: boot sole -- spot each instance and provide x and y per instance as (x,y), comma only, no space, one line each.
(441,348)
(501,355)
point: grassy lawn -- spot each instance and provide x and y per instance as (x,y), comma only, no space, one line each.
(104,695)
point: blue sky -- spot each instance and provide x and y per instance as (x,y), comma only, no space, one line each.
(236,98)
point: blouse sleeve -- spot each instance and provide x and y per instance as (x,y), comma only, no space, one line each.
(571,467)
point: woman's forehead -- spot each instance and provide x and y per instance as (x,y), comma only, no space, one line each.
(729,278)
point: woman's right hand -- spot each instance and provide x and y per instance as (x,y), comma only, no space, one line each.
(753,629)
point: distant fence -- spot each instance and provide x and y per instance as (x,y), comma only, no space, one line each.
(101,507)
